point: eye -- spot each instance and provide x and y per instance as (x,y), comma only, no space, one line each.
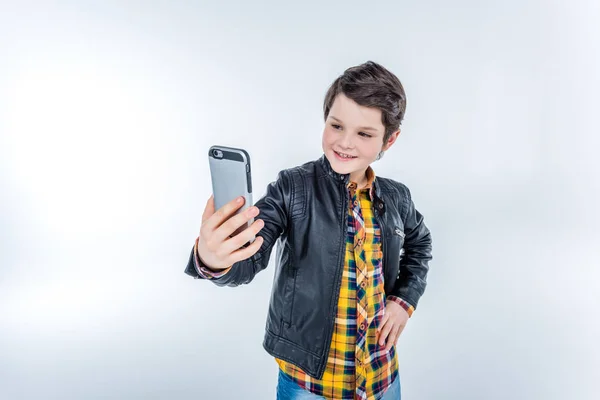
(364,134)
(335,126)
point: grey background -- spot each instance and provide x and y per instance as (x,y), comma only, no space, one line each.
(107,110)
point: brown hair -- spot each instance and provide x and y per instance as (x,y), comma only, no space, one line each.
(371,85)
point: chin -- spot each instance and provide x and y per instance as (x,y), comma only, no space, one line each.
(341,167)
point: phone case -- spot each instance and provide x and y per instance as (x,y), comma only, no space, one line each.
(231,177)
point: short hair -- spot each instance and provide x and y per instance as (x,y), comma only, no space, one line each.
(371,85)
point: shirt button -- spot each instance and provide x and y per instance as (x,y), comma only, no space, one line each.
(363,284)
(380,205)
(362,326)
(355,202)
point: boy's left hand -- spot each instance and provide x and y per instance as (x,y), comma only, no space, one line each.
(392,325)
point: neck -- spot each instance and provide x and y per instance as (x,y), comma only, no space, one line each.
(360,178)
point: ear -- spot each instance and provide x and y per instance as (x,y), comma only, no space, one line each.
(391,140)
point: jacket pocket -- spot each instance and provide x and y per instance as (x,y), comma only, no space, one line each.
(394,244)
(395,241)
(400,233)
(289,294)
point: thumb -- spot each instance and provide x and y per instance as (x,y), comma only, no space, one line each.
(209,210)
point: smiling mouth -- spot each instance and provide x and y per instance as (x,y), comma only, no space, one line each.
(345,156)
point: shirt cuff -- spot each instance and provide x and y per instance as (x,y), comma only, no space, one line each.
(408,307)
(202,269)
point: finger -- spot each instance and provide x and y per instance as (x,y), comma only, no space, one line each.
(391,339)
(244,236)
(245,253)
(232,224)
(385,331)
(383,321)
(400,329)
(223,213)
(209,209)
(382,324)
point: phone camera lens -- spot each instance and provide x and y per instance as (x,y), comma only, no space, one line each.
(218,153)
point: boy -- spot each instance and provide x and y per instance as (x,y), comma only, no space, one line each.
(352,256)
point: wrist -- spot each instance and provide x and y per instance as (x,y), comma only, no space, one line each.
(201,262)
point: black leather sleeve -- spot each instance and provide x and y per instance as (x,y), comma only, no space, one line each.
(414,265)
(274,209)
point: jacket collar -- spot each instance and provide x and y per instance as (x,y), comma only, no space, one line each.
(334,175)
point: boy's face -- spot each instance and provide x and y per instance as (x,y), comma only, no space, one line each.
(355,131)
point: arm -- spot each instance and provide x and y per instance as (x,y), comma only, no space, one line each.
(414,266)
(273,206)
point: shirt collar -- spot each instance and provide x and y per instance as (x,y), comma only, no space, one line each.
(352,186)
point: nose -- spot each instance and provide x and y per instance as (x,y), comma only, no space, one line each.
(346,141)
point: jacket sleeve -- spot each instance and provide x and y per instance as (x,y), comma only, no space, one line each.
(414,265)
(273,206)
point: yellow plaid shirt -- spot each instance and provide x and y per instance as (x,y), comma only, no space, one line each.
(357,366)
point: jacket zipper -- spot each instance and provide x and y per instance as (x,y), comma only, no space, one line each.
(338,281)
(382,232)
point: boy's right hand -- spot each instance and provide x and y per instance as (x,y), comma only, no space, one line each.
(215,248)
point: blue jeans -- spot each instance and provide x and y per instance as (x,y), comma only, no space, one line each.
(287,389)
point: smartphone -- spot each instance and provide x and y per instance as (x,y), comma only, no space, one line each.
(231,177)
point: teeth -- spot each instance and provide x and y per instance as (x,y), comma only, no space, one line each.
(344,155)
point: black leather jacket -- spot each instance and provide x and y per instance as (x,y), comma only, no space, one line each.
(305,210)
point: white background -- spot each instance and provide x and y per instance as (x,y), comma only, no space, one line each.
(107,110)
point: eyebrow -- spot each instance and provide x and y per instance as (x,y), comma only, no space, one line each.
(365,128)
